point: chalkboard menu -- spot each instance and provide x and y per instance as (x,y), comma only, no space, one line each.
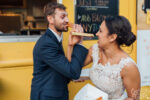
(90,13)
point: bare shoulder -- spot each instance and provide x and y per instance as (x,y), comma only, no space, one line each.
(130,66)
(94,49)
(130,69)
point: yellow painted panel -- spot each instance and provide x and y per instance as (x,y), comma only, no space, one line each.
(17,50)
(15,83)
(16,63)
(16,68)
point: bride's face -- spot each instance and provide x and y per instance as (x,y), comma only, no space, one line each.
(103,36)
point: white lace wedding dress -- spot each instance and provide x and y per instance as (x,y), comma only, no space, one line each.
(107,77)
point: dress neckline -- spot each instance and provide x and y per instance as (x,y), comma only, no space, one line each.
(96,58)
(108,63)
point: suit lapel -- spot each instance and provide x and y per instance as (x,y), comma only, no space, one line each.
(61,46)
(50,33)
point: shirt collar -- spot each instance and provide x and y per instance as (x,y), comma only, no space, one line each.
(59,38)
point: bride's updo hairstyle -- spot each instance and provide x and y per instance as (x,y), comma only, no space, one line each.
(121,26)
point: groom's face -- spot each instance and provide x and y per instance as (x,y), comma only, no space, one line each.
(60,20)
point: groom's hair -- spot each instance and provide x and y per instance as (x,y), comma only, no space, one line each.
(49,9)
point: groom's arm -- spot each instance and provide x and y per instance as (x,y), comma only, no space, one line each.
(79,52)
(56,60)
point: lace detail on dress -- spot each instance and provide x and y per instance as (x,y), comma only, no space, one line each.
(107,77)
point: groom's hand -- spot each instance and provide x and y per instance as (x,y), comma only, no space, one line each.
(73,39)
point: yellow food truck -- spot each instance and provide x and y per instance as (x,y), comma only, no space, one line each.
(22,23)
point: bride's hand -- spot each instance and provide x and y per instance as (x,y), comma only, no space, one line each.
(73,39)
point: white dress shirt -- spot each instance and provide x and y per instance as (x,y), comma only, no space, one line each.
(59,38)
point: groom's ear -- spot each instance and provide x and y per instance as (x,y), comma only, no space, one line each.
(50,19)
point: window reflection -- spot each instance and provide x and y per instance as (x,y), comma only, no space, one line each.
(22,20)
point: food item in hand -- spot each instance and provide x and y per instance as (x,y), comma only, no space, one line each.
(78,33)
(70,25)
(83,34)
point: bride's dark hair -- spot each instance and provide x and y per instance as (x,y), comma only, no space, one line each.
(121,26)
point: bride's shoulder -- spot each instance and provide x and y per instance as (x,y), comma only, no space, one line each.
(129,63)
(93,48)
(130,68)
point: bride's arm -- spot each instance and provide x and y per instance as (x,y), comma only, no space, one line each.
(131,81)
(88,59)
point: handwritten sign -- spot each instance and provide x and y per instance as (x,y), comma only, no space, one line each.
(91,13)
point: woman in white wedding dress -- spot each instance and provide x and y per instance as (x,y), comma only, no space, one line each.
(113,71)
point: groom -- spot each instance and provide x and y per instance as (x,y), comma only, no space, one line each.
(52,70)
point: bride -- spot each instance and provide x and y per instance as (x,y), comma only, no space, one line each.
(113,71)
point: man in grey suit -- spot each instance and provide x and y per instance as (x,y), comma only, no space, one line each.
(52,70)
